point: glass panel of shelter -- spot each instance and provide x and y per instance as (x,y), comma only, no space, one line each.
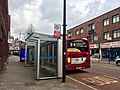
(30,55)
(48,60)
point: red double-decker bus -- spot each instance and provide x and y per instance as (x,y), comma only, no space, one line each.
(77,54)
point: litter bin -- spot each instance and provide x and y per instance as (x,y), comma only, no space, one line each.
(22,55)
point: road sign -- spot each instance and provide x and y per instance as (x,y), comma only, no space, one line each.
(57,29)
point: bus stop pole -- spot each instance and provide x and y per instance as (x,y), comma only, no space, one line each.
(35,52)
(64,42)
(26,54)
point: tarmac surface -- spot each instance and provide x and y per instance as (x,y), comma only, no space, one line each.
(16,76)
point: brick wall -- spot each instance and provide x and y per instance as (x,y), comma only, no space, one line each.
(4,29)
(99,28)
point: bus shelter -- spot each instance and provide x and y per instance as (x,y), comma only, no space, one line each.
(44,53)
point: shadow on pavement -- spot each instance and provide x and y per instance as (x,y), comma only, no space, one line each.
(75,72)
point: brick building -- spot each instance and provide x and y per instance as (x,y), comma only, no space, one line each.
(14,46)
(103,32)
(4,31)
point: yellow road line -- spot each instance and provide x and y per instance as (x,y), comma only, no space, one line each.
(81,83)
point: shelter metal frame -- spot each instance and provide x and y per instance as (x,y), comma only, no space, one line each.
(36,39)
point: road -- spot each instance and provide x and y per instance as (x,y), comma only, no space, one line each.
(99,77)
(105,69)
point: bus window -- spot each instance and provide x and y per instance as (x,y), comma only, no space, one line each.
(77,45)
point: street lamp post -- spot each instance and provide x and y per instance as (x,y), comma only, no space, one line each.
(64,42)
(110,53)
(100,56)
(109,38)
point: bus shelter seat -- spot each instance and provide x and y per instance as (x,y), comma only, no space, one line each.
(52,70)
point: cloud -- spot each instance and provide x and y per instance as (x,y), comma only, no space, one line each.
(80,11)
(22,17)
(44,13)
(15,5)
(51,11)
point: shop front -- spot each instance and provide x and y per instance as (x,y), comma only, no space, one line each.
(110,50)
(94,50)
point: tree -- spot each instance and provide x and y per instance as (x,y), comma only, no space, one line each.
(29,30)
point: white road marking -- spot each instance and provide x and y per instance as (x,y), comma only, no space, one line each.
(107,66)
(100,80)
(111,77)
(81,83)
(110,67)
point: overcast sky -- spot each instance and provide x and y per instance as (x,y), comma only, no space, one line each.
(44,13)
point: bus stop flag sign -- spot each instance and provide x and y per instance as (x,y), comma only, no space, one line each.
(57,29)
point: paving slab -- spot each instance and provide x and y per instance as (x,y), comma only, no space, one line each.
(18,77)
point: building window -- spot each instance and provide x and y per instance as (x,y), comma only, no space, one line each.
(115,18)
(69,34)
(89,38)
(91,26)
(77,31)
(116,34)
(95,37)
(81,30)
(106,35)
(106,22)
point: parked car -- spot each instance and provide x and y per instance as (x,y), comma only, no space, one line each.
(117,60)
(16,52)
(96,55)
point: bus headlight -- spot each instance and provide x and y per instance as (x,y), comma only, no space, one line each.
(68,60)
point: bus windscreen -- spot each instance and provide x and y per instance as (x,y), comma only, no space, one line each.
(77,46)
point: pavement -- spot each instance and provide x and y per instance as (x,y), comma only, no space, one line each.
(16,76)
